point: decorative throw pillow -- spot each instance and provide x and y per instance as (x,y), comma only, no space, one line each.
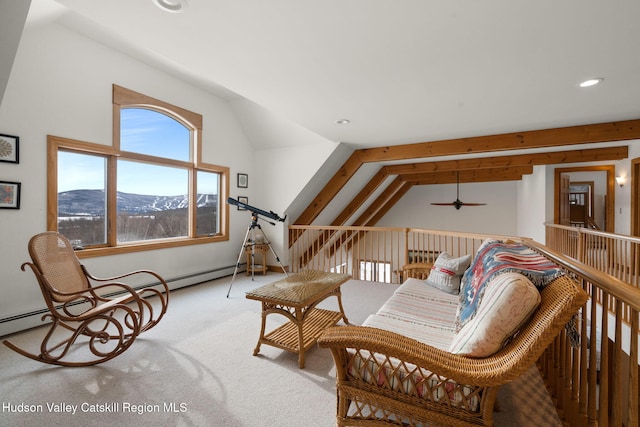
(495,257)
(447,272)
(508,302)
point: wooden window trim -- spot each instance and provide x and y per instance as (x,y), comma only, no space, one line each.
(126,97)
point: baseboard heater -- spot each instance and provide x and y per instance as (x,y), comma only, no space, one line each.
(188,279)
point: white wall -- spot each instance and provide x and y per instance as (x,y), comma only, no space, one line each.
(498,217)
(531,205)
(283,173)
(279,174)
(61,84)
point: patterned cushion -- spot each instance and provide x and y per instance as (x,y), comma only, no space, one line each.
(495,257)
(411,380)
(447,272)
(509,300)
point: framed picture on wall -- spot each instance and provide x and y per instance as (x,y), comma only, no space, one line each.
(9,195)
(244,200)
(243,180)
(9,148)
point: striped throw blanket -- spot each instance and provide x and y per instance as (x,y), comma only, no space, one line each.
(495,257)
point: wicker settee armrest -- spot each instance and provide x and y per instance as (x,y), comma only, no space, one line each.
(490,371)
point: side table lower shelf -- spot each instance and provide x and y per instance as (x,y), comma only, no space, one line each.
(287,336)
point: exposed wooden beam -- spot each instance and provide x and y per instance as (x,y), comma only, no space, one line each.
(384,204)
(550,158)
(391,201)
(389,193)
(586,134)
(604,132)
(360,198)
(332,188)
(477,175)
(350,210)
(352,207)
(405,170)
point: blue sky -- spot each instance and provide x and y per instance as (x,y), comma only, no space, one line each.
(143,131)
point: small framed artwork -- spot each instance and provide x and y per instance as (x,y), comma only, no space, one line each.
(9,148)
(243,180)
(9,195)
(244,200)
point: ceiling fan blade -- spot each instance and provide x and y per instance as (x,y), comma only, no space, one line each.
(458,203)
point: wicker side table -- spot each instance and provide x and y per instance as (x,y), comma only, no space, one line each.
(296,298)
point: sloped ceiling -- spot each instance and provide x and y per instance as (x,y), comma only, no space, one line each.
(402,72)
(12,21)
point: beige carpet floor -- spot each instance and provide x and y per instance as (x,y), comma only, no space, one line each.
(196,369)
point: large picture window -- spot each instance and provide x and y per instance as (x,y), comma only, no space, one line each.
(149,189)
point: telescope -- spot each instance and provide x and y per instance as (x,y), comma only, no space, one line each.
(255,211)
(250,238)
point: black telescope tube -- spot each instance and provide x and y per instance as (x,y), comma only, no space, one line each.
(271,215)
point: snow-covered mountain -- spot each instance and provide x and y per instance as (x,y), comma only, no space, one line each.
(92,202)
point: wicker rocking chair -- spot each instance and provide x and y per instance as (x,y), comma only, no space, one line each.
(106,316)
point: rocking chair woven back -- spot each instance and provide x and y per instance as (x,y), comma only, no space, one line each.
(58,266)
(103,315)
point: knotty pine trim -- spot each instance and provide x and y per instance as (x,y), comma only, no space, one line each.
(548,158)
(389,192)
(373,215)
(391,201)
(585,134)
(478,175)
(128,97)
(333,187)
(360,198)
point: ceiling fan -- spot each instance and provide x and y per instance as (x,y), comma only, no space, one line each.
(458,203)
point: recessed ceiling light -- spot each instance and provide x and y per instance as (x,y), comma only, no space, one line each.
(343,121)
(173,6)
(591,82)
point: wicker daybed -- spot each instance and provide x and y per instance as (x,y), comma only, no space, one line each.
(385,376)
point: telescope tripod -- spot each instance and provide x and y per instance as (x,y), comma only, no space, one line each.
(250,241)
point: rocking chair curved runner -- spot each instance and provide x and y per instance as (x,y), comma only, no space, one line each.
(110,314)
